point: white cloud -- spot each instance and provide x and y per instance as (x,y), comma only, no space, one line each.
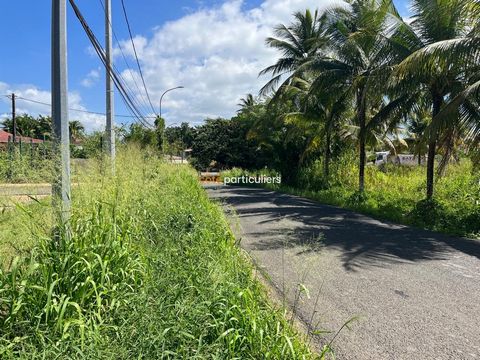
(38,96)
(215,53)
(91,79)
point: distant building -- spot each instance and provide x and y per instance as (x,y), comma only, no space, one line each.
(5,137)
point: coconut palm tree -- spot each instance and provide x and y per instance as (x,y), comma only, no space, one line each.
(438,24)
(297,42)
(417,124)
(77,130)
(247,102)
(318,115)
(357,57)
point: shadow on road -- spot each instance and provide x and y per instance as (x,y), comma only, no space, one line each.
(361,240)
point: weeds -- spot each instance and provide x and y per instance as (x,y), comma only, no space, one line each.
(149,270)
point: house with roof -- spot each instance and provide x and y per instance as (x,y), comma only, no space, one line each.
(6,137)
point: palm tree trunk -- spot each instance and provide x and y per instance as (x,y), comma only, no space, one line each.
(363,156)
(362,139)
(431,168)
(432,147)
(326,168)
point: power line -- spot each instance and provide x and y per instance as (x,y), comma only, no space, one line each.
(129,102)
(77,110)
(136,56)
(124,57)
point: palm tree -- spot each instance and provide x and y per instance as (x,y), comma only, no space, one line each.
(436,24)
(417,124)
(318,116)
(247,102)
(297,43)
(77,130)
(357,58)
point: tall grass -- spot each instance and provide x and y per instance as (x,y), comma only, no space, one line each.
(148,269)
(27,166)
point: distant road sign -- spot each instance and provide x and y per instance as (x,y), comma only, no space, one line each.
(213,177)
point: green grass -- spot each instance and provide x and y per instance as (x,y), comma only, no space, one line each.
(16,168)
(150,271)
(397,193)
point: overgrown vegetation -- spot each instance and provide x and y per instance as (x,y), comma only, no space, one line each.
(28,166)
(148,269)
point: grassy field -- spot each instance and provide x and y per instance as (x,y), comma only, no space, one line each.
(25,168)
(148,269)
(396,193)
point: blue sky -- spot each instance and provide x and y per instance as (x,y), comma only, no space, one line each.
(214,48)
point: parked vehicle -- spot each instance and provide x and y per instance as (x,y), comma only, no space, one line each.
(384,157)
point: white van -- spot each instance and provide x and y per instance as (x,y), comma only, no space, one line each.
(381,157)
(384,157)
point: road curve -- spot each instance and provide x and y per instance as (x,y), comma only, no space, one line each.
(416,293)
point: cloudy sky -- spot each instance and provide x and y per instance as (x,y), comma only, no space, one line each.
(214,48)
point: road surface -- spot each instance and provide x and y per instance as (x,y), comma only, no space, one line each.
(416,293)
(11,194)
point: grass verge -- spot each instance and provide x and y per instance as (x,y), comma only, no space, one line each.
(148,269)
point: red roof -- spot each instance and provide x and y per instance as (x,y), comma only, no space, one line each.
(4,135)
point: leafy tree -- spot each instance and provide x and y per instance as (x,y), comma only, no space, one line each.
(297,42)
(141,135)
(160,132)
(92,144)
(29,126)
(225,143)
(182,135)
(247,103)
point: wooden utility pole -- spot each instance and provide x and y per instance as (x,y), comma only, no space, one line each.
(61,139)
(110,123)
(14,119)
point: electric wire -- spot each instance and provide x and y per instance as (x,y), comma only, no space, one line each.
(129,102)
(76,110)
(136,55)
(124,57)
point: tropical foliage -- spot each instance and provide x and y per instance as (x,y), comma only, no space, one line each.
(364,76)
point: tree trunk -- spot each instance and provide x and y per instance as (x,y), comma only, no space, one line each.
(431,168)
(362,138)
(326,165)
(361,173)
(432,147)
(419,154)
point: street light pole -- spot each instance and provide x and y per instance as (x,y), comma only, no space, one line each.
(161,97)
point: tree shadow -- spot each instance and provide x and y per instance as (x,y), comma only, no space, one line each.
(282,220)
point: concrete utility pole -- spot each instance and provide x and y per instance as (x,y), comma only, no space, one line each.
(61,185)
(14,119)
(110,125)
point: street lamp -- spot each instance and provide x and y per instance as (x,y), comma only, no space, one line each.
(161,97)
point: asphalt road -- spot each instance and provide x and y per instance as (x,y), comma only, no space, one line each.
(416,293)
